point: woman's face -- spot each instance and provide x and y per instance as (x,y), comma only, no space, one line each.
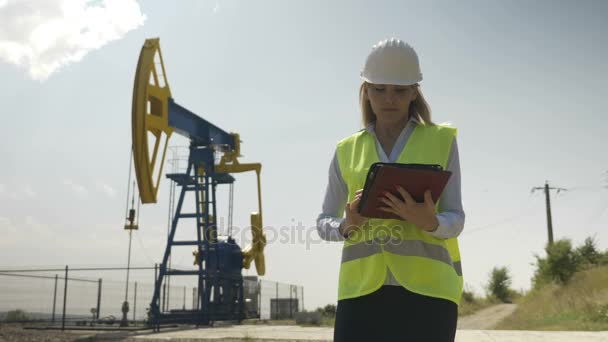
(389,102)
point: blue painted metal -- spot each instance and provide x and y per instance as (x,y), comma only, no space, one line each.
(196,128)
(221,262)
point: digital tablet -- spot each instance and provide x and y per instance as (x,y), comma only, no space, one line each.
(414,178)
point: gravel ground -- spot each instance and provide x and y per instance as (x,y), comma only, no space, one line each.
(289,333)
(15,332)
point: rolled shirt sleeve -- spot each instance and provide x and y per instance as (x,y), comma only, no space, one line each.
(451,214)
(336,195)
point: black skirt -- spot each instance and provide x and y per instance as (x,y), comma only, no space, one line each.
(393,313)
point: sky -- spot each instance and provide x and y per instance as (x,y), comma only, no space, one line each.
(524,83)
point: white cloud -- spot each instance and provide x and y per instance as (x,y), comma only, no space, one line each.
(76,188)
(216,7)
(106,189)
(44,35)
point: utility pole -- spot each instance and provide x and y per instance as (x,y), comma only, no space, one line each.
(547,190)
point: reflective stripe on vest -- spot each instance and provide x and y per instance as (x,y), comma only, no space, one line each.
(400,247)
(418,261)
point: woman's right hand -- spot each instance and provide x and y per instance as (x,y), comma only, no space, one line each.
(353,220)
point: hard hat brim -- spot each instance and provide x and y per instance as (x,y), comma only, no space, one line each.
(400,82)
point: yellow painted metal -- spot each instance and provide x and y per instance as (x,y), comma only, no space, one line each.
(254,252)
(150,119)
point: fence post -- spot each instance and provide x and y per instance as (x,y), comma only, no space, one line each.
(290,308)
(193,298)
(65,295)
(276,300)
(184,307)
(164,297)
(134,303)
(54,298)
(303,299)
(155,276)
(98,298)
(168,293)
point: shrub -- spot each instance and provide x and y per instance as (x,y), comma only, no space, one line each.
(587,253)
(468,296)
(604,258)
(559,266)
(17,316)
(599,314)
(328,310)
(499,284)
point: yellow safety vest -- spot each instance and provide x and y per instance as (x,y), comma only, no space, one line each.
(419,262)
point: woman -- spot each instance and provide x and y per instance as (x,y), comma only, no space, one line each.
(400,280)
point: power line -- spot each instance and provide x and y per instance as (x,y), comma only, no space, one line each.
(499,223)
(523,214)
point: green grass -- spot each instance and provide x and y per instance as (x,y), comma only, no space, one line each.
(474,304)
(582,304)
(328,321)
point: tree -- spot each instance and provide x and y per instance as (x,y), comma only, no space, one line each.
(604,258)
(499,284)
(588,254)
(560,264)
(328,310)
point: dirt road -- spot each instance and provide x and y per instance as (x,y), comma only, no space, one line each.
(487,318)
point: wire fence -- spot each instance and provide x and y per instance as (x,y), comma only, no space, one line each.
(96,295)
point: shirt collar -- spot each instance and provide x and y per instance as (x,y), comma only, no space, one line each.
(371,128)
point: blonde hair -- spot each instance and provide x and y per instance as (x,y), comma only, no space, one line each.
(419,108)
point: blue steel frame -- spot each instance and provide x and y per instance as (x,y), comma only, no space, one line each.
(220,262)
(197,129)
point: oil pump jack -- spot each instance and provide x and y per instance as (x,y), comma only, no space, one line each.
(219,262)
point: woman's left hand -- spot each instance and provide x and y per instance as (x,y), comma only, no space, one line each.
(422,215)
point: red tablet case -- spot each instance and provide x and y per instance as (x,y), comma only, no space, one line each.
(414,178)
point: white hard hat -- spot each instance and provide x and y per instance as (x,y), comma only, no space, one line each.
(392,61)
